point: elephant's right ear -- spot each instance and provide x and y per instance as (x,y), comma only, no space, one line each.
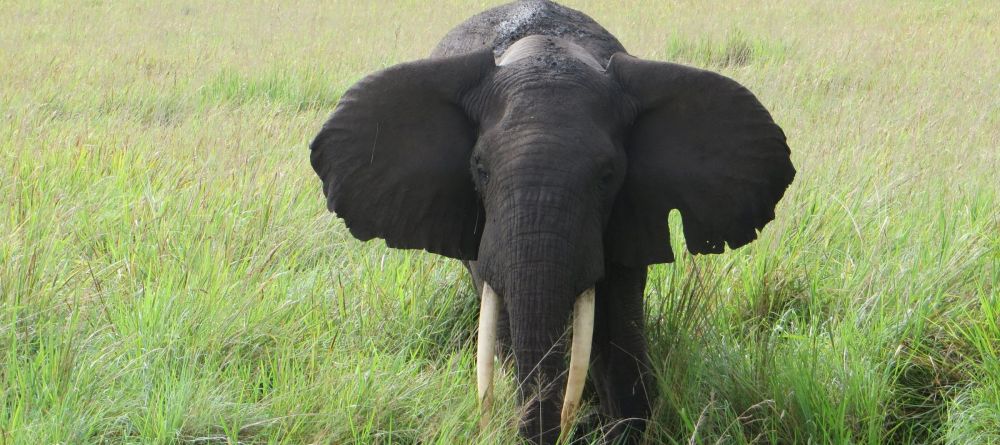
(394,156)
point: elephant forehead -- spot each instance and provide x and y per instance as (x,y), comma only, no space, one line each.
(547,47)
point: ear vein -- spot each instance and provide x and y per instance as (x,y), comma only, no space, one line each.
(374,143)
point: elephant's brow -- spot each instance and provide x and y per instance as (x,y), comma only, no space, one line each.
(529,78)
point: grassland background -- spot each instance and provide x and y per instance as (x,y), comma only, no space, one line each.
(168,272)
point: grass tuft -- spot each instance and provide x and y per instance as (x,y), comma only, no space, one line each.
(736,49)
(296,90)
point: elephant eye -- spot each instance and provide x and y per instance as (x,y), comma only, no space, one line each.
(607,177)
(484,176)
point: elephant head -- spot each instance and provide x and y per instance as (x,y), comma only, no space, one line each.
(544,166)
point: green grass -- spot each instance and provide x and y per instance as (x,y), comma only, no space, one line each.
(169,274)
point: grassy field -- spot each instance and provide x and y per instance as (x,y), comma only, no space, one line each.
(169,274)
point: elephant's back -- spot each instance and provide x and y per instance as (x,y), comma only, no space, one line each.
(499,27)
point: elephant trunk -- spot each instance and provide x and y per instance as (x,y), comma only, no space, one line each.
(541,237)
(540,256)
(583,331)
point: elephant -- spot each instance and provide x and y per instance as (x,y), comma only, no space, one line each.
(535,149)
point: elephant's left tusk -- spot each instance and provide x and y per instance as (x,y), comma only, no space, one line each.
(579,359)
(488,313)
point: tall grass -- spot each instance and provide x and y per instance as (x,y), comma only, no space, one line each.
(168,272)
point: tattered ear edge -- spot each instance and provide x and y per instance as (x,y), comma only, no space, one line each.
(394,156)
(700,143)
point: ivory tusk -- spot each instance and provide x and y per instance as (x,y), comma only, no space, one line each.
(579,359)
(488,313)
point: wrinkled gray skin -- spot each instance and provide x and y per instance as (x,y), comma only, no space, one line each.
(533,148)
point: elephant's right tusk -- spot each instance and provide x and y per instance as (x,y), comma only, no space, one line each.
(488,313)
(579,359)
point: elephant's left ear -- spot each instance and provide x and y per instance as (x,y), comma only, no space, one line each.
(700,143)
